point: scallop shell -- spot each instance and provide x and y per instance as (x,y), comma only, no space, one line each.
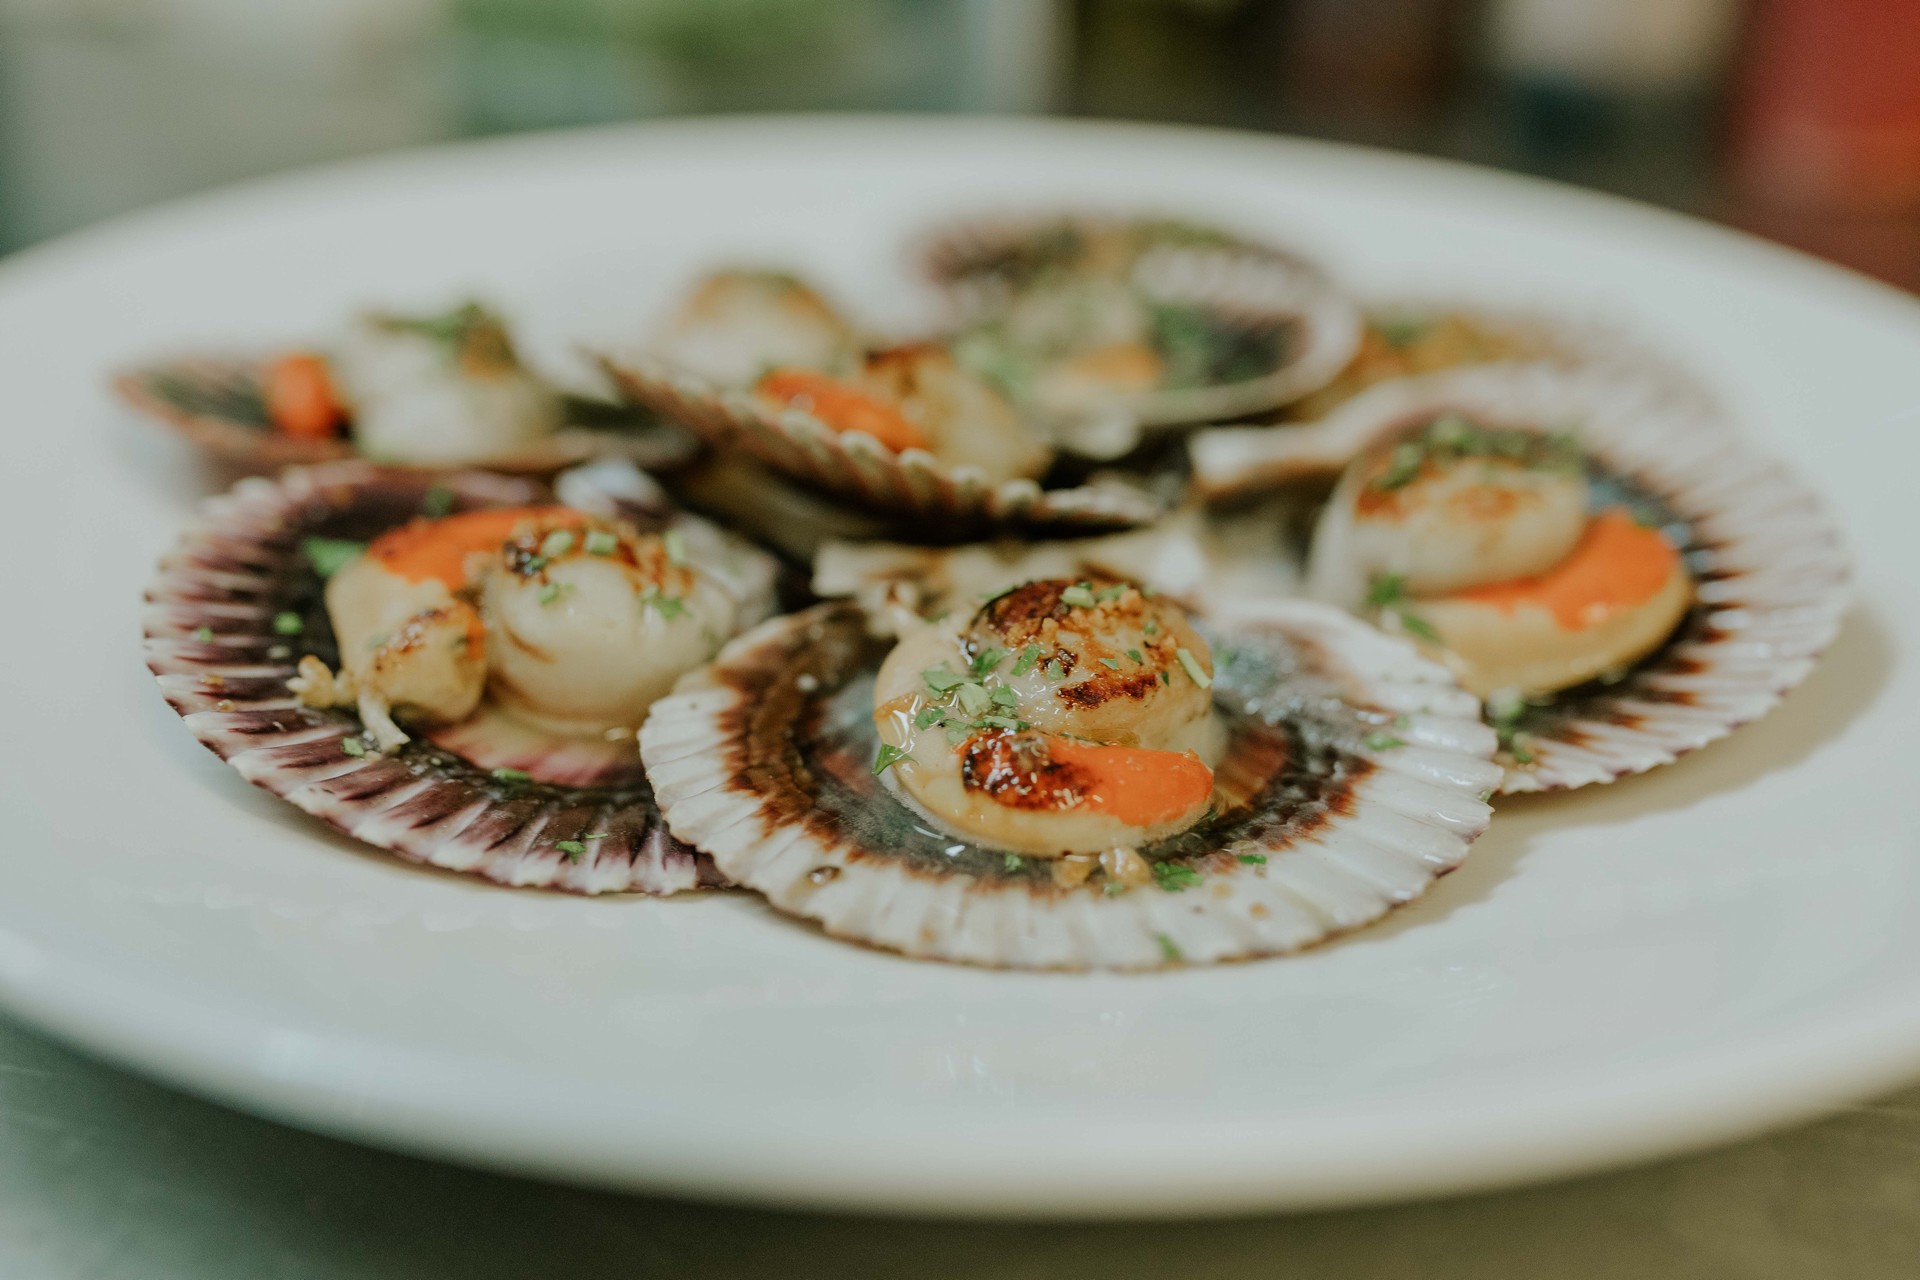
(1247,289)
(219,405)
(213,645)
(1771,571)
(913,483)
(764,760)
(1005,250)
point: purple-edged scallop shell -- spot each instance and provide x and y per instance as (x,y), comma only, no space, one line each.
(219,405)
(1357,772)
(943,500)
(220,641)
(1770,571)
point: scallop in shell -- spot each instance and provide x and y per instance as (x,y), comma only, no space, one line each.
(239,601)
(219,404)
(910,482)
(1768,571)
(1354,774)
(1172,333)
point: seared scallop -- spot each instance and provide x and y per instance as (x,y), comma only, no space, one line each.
(737,324)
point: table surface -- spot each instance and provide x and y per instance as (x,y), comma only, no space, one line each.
(104,1176)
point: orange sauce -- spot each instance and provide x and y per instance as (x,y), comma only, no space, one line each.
(843,407)
(1139,787)
(1616,565)
(300,397)
(439,549)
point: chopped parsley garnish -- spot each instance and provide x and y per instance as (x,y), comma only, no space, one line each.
(676,544)
(512,775)
(1505,711)
(1387,592)
(353,747)
(557,543)
(203,634)
(972,698)
(888,757)
(1078,596)
(669,607)
(1150,628)
(1450,437)
(1002,722)
(436,502)
(1191,665)
(1055,671)
(1111,664)
(1167,949)
(1135,655)
(287,623)
(1517,748)
(1253,859)
(1105,594)
(601,543)
(1005,697)
(574,849)
(956,734)
(928,717)
(1175,876)
(1024,663)
(1383,742)
(1012,862)
(330,555)
(986,660)
(553,591)
(943,679)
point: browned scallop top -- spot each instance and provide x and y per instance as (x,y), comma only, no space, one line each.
(1019,771)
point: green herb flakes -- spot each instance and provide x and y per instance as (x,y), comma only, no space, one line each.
(1078,596)
(973,698)
(1024,663)
(203,634)
(1191,665)
(574,849)
(330,555)
(1111,664)
(1055,671)
(1012,862)
(557,543)
(353,747)
(1252,859)
(436,502)
(553,591)
(1383,742)
(601,543)
(888,757)
(1004,697)
(511,775)
(928,717)
(1175,877)
(1135,655)
(986,660)
(943,679)
(287,623)
(1168,950)
(676,544)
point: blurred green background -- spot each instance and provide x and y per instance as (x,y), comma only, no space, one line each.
(1798,118)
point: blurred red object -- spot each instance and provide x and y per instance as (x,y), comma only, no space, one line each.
(1827,105)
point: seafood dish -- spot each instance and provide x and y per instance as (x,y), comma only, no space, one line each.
(440,390)
(1162,605)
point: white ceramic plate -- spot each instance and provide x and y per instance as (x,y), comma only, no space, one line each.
(1726,944)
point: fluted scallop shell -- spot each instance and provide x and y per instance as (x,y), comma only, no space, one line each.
(1247,288)
(219,405)
(1362,773)
(912,483)
(213,646)
(1497,334)
(1007,250)
(1770,569)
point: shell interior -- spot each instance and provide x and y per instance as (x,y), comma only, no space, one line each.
(1357,773)
(221,644)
